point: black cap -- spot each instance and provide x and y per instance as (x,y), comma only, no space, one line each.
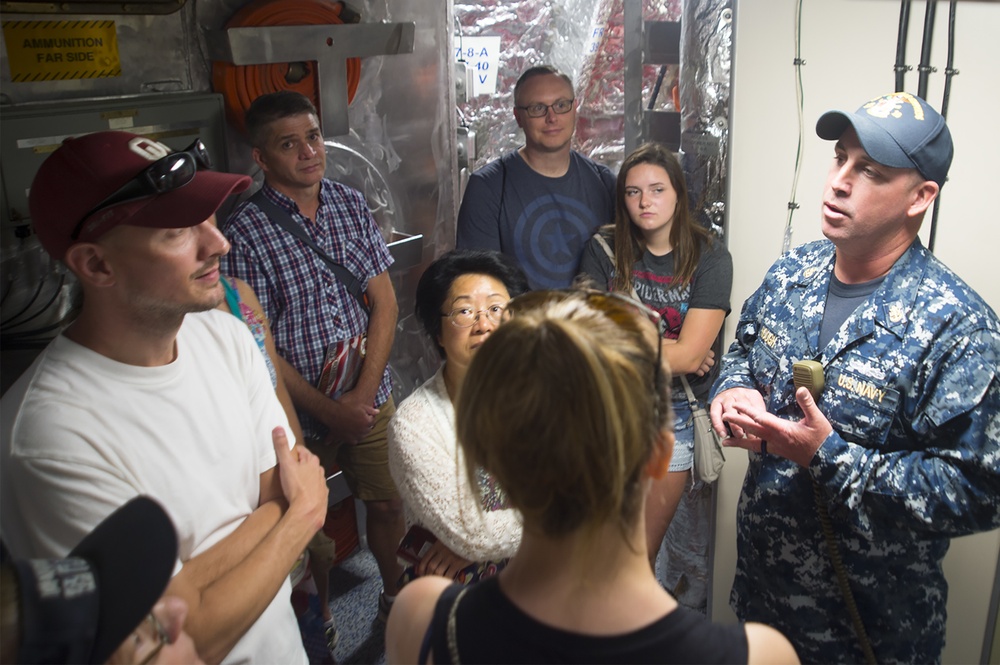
(81,608)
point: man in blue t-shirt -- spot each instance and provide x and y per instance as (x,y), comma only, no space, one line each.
(540,203)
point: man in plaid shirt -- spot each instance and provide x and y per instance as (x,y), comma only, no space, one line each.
(310,308)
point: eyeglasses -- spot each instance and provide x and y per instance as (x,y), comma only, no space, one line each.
(609,303)
(560,106)
(466,317)
(164,175)
(160,634)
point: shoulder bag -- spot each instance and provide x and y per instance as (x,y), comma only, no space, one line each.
(344,358)
(708,456)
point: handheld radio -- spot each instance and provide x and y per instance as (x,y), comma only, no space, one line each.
(808,373)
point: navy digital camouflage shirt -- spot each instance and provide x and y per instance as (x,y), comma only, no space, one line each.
(913,394)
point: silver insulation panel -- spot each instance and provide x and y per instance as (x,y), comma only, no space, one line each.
(584,38)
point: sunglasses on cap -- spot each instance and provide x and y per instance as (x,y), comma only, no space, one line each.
(614,305)
(166,174)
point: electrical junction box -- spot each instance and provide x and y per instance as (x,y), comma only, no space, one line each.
(32,131)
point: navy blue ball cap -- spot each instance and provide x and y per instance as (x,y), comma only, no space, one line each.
(898,130)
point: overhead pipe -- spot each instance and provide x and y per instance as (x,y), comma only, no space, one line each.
(924,69)
(949,72)
(901,67)
(656,89)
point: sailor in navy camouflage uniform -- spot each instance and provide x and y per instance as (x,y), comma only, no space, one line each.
(903,443)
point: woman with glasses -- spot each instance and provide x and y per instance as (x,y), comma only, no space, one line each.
(459,302)
(659,254)
(567,405)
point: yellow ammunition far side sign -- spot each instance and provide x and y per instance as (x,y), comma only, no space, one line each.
(61,50)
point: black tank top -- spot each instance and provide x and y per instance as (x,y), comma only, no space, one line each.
(483,626)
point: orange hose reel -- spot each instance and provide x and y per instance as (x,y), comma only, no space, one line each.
(241,84)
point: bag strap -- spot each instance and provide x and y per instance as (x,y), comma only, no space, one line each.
(611,255)
(605,246)
(690,394)
(283,218)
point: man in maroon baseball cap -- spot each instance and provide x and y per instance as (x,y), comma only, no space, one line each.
(152,391)
(94,183)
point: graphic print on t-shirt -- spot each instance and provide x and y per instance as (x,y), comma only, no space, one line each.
(661,294)
(549,236)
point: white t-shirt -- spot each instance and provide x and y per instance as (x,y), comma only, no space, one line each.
(83,434)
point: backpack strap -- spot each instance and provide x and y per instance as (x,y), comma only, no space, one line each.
(283,218)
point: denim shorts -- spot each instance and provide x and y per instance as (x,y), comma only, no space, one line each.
(683,457)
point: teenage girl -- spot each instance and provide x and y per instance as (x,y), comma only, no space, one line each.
(656,252)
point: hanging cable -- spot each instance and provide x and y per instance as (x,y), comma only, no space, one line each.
(656,88)
(20,232)
(6,290)
(901,67)
(797,62)
(458,33)
(41,310)
(37,338)
(924,69)
(11,320)
(949,71)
